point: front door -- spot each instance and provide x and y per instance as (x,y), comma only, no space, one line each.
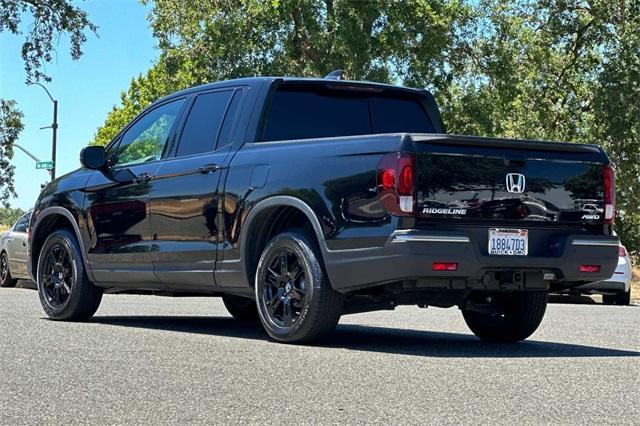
(17,247)
(184,199)
(118,200)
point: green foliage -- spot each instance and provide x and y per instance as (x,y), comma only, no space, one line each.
(9,216)
(144,89)
(545,69)
(149,144)
(10,128)
(203,41)
(556,70)
(51,19)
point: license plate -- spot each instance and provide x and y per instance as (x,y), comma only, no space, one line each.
(508,242)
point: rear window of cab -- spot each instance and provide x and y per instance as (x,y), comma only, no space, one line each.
(317,112)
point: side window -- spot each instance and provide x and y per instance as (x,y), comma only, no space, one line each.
(227,127)
(22,224)
(203,123)
(145,140)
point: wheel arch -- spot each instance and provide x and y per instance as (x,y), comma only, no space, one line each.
(268,218)
(49,220)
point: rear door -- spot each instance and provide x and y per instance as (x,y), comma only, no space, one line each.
(184,199)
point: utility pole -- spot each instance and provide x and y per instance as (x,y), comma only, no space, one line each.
(54,128)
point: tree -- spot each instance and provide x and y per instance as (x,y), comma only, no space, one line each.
(558,70)
(203,41)
(51,19)
(9,216)
(10,127)
(545,69)
(617,120)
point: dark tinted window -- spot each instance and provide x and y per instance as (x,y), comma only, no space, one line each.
(227,126)
(145,140)
(201,128)
(399,115)
(22,224)
(301,113)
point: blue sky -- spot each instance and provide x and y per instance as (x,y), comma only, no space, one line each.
(86,89)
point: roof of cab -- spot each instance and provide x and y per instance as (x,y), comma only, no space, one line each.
(253,81)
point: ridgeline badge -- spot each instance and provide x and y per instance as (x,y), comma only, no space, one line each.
(434,210)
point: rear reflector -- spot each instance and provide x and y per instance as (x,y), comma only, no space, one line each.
(589,268)
(444,266)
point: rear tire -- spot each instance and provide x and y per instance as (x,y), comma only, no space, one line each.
(6,280)
(63,285)
(241,308)
(623,298)
(296,303)
(516,317)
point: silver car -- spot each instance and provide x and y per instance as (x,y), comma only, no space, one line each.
(617,289)
(13,253)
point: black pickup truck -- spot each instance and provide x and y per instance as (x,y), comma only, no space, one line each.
(299,200)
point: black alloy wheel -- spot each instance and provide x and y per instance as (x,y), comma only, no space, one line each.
(285,287)
(295,300)
(65,291)
(57,276)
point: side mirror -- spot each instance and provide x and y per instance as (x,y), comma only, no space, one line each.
(93,157)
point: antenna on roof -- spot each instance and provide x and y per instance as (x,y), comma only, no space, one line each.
(335,75)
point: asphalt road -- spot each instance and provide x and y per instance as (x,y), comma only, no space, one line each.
(153,360)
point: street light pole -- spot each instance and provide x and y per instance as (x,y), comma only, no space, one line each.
(54,127)
(23,149)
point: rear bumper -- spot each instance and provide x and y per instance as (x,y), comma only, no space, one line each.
(409,255)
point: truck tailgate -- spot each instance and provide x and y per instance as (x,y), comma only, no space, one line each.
(488,180)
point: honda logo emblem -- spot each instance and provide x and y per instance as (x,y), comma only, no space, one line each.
(515,182)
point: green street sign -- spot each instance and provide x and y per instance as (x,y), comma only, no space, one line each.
(44,165)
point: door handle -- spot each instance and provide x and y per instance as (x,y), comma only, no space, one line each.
(143,177)
(208,168)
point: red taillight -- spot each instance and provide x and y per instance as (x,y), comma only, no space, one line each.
(405,183)
(609,194)
(444,266)
(589,268)
(396,183)
(622,252)
(388,180)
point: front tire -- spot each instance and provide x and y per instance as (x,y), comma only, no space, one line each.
(514,318)
(63,285)
(296,303)
(6,280)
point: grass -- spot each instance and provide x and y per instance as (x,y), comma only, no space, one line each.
(635,284)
